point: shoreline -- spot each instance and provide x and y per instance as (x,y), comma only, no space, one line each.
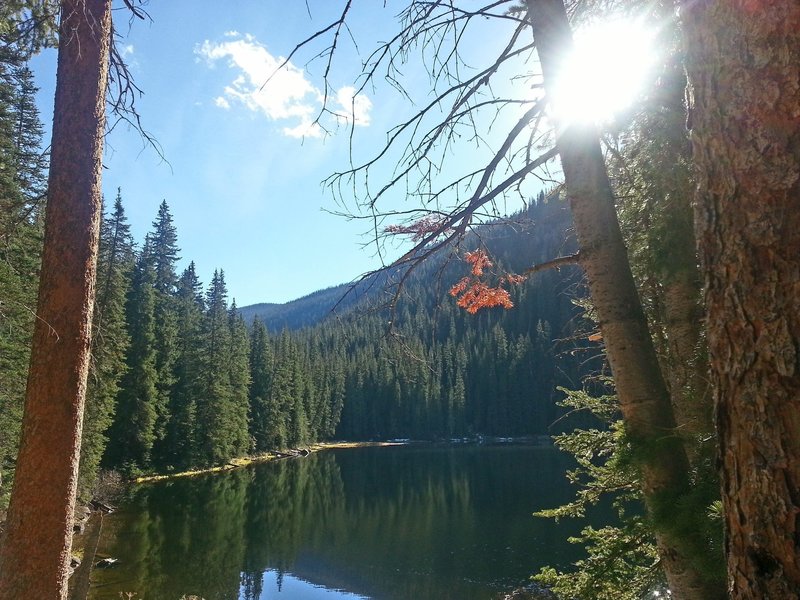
(245,461)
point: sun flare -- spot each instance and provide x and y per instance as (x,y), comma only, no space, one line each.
(605,73)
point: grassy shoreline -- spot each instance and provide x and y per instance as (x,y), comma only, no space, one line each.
(244,461)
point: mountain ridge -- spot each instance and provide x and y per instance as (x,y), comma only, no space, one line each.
(315,307)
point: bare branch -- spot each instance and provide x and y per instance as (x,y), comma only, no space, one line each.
(556,263)
(463,105)
(336,26)
(123,91)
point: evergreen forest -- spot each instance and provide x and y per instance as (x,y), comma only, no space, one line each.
(640,307)
(181,378)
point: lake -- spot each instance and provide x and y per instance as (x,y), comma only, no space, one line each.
(417,522)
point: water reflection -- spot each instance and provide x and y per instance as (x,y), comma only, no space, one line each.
(381,523)
(274,584)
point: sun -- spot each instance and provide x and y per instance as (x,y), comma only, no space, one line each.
(605,73)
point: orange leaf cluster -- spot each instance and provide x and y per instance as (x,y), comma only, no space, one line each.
(479,261)
(478,295)
(460,286)
(473,294)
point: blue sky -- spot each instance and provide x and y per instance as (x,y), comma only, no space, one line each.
(244,171)
(244,165)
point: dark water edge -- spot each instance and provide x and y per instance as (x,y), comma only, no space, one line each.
(396,523)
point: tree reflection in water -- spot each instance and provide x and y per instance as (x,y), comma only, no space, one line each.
(385,523)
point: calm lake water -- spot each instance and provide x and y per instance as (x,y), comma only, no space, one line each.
(397,523)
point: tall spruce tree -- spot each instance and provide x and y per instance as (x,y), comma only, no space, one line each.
(180,449)
(164,251)
(262,412)
(22,171)
(300,401)
(110,340)
(31,161)
(163,256)
(216,420)
(238,357)
(282,398)
(336,398)
(133,429)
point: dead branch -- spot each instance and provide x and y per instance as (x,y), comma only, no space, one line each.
(556,263)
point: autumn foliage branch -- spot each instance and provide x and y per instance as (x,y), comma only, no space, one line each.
(473,293)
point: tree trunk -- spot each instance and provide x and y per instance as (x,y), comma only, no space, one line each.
(687,364)
(744,85)
(642,392)
(34,557)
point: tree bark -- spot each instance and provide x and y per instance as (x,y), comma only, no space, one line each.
(641,389)
(34,557)
(743,64)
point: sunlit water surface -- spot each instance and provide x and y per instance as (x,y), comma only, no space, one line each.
(414,522)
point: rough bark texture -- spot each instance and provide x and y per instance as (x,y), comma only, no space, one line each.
(34,557)
(641,389)
(744,76)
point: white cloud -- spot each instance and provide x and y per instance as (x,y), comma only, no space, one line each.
(127,50)
(354,108)
(304,129)
(281,95)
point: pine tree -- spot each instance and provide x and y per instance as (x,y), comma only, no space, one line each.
(281,397)
(31,162)
(239,374)
(27,26)
(110,340)
(22,172)
(298,401)
(133,429)
(336,399)
(215,419)
(743,68)
(262,412)
(163,256)
(180,444)
(164,251)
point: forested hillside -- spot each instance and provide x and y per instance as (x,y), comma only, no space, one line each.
(180,377)
(303,312)
(438,371)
